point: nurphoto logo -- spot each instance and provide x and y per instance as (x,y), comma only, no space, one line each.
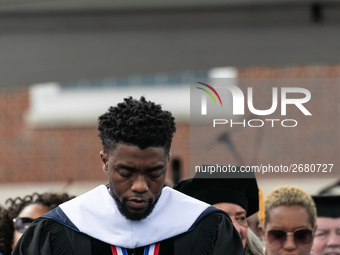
(238,105)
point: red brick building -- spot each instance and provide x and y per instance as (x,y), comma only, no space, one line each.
(69,153)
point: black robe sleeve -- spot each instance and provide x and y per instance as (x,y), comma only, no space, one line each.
(228,240)
(47,237)
(213,235)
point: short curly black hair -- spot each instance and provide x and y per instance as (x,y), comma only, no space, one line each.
(16,205)
(136,122)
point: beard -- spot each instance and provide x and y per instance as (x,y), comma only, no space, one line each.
(122,207)
(331,250)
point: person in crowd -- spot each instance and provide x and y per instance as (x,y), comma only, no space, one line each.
(133,214)
(289,223)
(237,197)
(17,217)
(327,235)
(253,223)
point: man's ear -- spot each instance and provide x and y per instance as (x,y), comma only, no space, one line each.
(169,157)
(105,162)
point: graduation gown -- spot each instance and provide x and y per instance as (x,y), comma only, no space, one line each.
(92,224)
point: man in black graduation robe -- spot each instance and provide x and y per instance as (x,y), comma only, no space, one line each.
(134,214)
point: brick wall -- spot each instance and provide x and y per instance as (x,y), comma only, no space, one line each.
(56,154)
(314,140)
(36,155)
(72,154)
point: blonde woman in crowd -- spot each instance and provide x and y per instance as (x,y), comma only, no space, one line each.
(289,223)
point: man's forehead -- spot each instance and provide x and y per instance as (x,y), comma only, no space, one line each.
(329,219)
(328,223)
(126,150)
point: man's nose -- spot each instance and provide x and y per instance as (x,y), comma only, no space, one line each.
(236,225)
(140,184)
(333,239)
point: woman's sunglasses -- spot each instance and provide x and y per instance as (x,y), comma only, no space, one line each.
(279,237)
(21,224)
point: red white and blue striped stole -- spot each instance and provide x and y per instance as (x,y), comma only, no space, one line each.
(148,250)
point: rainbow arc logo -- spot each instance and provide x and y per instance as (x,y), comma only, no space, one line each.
(208,92)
